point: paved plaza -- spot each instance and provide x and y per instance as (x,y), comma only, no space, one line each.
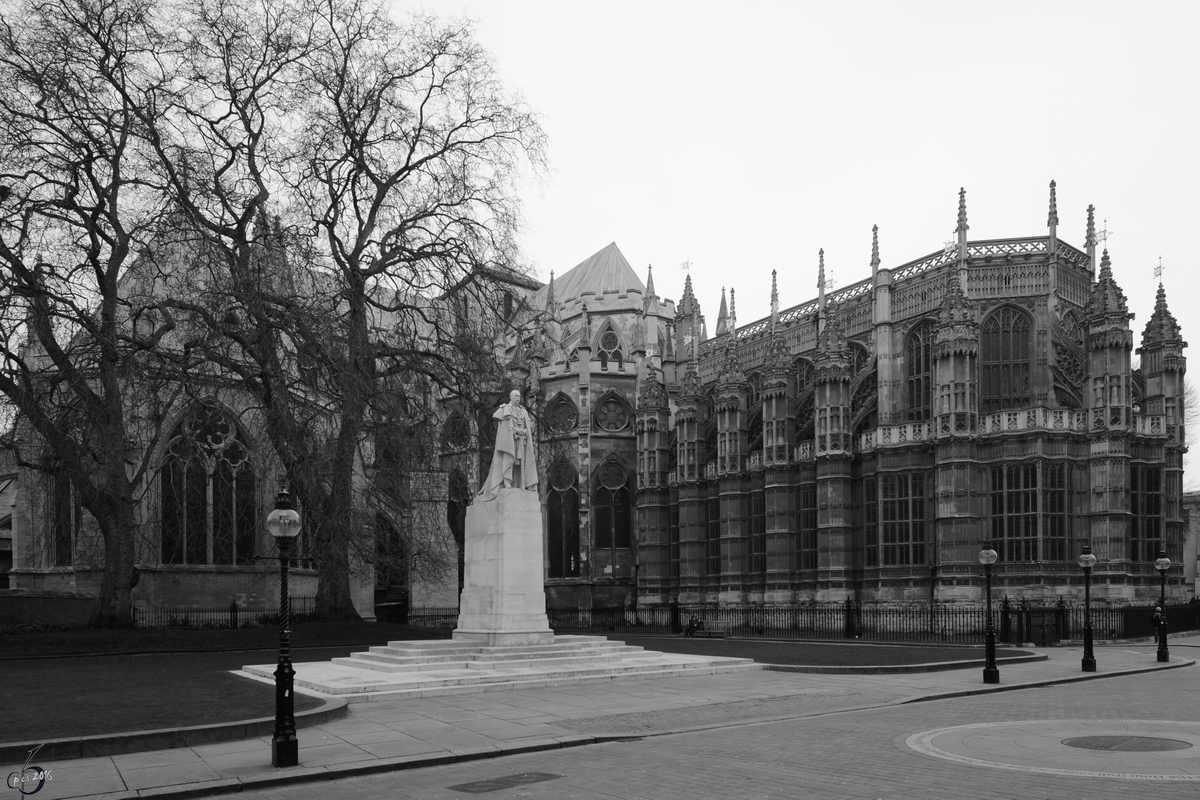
(1130,731)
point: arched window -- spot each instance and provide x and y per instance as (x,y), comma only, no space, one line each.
(1004,361)
(612,415)
(562,520)
(457,433)
(209,510)
(561,416)
(858,358)
(919,366)
(610,347)
(804,376)
(612,508)
(753,389)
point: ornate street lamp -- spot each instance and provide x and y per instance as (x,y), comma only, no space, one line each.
(1162,564)
(284,524)
(1087,561)
(987,557)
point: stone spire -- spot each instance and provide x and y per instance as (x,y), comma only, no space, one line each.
(731,369)
(551,306)
(961,230)
(688,301)
(650,305)
(820,290)
(874,251)
(722,315)
(689,387)
(1090,238)
(833,352)
(774,301)
(652,394)
(1052,219)
(1107,301)
(956,330)
(1162,329)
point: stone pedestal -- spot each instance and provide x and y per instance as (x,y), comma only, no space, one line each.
(503,600)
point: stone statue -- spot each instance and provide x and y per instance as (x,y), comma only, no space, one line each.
(513,462)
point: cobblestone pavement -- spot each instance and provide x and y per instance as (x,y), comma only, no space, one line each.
(855,754)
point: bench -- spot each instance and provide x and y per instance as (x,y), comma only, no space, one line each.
(711,630)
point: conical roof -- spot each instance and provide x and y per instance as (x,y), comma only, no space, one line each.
(1107,301)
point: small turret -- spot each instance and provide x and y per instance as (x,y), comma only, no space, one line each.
(722,316)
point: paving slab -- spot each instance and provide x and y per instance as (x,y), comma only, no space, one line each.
(402,734)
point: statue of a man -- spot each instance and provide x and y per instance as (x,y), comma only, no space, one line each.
(513,462)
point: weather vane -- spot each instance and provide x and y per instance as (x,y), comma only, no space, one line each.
(948,247)
(686,266)
(1103,235)
(1159,270)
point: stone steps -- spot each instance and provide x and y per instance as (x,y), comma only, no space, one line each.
(447,667)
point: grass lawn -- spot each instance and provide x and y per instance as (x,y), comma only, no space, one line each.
(815,654)
(175,678)
(58,697)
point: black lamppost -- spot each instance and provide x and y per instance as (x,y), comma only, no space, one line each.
(1087,561)
(987,557)
(284,524)
(1162,564)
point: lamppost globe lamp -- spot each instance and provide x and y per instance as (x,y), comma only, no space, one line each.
(1162,564)
(1087,561)
(284,524)
(987,557)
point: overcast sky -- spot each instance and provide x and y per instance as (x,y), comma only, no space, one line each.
(746,136)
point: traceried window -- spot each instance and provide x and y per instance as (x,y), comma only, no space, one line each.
(209,510)
(803,376)
(870,522)
(65,515)
(1004,361)
(612,508)
(1057,531)
(562,523)
(806,549)
(457,433)
(753,390)
(610,348)
(758,527)
(1145,506)
(902,519)
(1015,512)
(561,415)
(712,538)
(612,415)
(919,366)
(858,358)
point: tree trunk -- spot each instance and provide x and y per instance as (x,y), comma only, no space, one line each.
(114,603)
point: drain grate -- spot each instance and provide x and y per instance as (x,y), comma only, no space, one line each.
(507,782)
(1131,744)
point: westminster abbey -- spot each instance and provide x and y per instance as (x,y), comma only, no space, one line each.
(861,445)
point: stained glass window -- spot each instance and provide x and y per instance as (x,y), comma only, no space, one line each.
(919,366)
(562,510)
(1004,361)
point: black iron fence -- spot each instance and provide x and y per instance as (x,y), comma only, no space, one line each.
(1016,622)
(230,616)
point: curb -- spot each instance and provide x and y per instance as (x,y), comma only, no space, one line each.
(1082,676)
(165,738)
(297,775)
(937,666)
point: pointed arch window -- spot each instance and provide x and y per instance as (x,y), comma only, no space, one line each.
(918,364)
(562,520)
(612,508)
(561,415)
(1004,362)
(610,347)
(612,414)
(457,433)
(209,511)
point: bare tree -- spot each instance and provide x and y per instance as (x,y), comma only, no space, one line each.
(78,202)
(392,152)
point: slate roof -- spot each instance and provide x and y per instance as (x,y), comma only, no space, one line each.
(604,271)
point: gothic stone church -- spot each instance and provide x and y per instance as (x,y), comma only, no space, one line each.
(861,445)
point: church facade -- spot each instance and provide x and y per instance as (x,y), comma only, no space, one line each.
(862,445)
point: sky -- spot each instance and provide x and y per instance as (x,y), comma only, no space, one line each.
(744,137)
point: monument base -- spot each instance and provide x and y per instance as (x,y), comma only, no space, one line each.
(503,601)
